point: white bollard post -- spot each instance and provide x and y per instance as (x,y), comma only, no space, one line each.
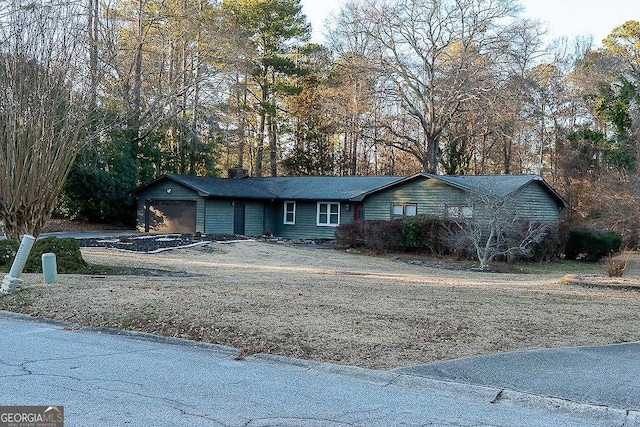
(12,280)
(49,268)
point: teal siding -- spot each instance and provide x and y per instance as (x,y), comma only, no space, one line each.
(254,218)
(272,214)
(535,203)
(219,216)
(431,197)
(530,203)
(306,221)
(178,192)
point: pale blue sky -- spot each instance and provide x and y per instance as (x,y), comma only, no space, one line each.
(563,17)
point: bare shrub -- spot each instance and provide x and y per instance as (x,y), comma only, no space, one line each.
(383,235)
(615,265)
(494,230)
(376,235)
(350,234)
(43,113)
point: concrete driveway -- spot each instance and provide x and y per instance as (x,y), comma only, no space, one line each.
(607,376)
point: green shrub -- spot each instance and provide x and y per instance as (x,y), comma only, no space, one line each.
(592,245)
(68,256)
(412,228)
(425,233)
(8,250)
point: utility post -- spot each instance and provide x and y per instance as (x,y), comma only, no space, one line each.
(12,280)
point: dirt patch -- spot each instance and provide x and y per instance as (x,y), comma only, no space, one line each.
(326,304)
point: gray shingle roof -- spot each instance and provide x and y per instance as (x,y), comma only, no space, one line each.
(291,188)
(500,185)
(351,188)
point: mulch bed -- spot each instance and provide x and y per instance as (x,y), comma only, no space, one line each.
(153,243)
(103,271)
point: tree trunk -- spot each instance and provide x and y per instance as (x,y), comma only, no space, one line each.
(194,137)
(134,106)
(183,109)
(242,104)
(354,149)
(273,146)
(271,128)
(260,144)
(137,76)
(92,25)
(430,160)
(507,156)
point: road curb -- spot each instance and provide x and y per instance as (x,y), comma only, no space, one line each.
(29,318)
(382,378)
(494,395)
(389,378)
(161,339)
(611,416)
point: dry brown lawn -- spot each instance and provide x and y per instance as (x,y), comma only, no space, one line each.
(331,305)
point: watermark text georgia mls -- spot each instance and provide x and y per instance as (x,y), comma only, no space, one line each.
(31,416)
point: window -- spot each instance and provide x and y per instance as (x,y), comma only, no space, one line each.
(400,210)
(459,211)
(328,214)
(289,213)
(410,209)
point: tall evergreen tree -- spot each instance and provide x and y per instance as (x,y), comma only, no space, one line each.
(275,30)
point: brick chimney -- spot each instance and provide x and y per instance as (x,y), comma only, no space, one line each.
(238,173)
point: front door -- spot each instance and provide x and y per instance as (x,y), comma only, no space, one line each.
(238,218)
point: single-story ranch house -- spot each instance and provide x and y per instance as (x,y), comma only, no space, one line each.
(311,207)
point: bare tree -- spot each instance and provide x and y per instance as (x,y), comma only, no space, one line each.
(436,56)
(490,225)
(352,101)
(43,116)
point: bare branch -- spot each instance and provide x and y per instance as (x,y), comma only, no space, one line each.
(43,118)
(494,229)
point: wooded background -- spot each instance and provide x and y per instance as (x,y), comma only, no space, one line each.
(441,86)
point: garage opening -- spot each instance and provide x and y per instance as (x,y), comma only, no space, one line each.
(170,216)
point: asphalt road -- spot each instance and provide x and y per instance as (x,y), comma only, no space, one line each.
(103,378)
